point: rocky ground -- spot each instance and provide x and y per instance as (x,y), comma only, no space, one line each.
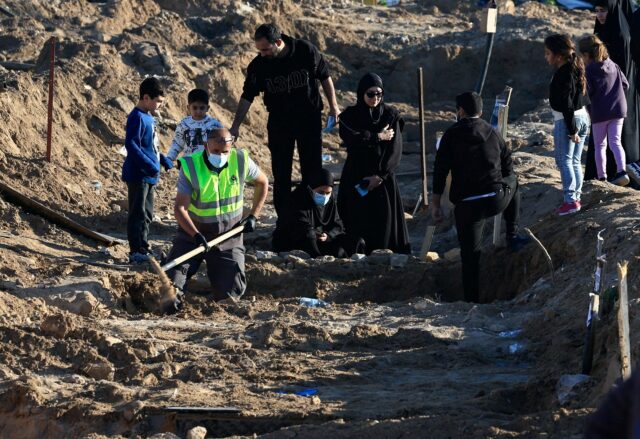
(394,353)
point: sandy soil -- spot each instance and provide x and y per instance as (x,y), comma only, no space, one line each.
(395,354)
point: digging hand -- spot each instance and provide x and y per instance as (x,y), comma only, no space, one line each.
(249,224)
(201,240)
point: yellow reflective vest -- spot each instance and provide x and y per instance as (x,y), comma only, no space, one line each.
(216,198)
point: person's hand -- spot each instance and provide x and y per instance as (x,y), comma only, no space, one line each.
(436,214)
(202,241)
(374,182)
(575,138)
(335,112)
(386,133)
(166,162)
(249,224)
(323,237)
(234,131)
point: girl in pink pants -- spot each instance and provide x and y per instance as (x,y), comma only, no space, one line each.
(606,86)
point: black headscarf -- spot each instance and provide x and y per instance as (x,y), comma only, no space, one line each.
(321,178)
(366,82)
(615,33)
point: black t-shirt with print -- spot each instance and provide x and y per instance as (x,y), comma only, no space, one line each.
(289,84)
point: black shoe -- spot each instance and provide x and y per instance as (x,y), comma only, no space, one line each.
(517,243)
(621,179)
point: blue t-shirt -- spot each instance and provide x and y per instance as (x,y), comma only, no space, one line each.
(143,157)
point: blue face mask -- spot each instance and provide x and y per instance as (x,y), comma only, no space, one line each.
(321,199)
(218,160)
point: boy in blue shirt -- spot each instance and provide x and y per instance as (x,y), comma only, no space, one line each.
(141,168)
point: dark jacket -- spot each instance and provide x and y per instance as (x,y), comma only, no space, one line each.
(477,157)
(619,415)
(290,84)
(304,221)
(566,96)
(606,86)
(143,160)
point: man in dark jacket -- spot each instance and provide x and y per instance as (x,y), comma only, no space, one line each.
(312,222)
(483,185)
(287,71)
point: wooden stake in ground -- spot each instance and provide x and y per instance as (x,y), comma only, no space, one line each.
(52,60)
(423,144)
(623,321)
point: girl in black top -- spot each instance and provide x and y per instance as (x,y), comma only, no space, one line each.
(372,133)
(568,99)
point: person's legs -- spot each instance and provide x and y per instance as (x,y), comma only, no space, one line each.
(149,192)
(564,149)
(180,274)
(469,224)
(576,153)
(281,144)
(600,143)
(511,212)
(309,142)
(136,215)
(226,273)
(614,131)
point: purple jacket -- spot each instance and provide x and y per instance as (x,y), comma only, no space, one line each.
(606,85)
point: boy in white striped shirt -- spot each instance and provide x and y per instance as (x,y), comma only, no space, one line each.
(192,131)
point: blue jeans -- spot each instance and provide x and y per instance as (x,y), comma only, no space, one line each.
(569,157)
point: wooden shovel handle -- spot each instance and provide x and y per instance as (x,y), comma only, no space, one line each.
(179,260)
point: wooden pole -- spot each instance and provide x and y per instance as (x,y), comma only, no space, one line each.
(52,59)
(423,143)
(40,209)
(623,321)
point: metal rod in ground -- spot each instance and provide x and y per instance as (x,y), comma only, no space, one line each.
(544,250)
(623,321)
(497,226)
(423,143)
(52,60)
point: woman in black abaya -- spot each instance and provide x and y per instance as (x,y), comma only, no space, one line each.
(372,133)
(615,34)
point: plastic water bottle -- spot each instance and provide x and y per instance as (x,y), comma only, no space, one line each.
(312,303)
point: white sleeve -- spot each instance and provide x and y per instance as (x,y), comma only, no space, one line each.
(178,141)
(252,170)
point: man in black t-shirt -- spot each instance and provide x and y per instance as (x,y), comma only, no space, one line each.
(287,71)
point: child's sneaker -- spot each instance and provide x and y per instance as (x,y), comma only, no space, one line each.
(568,208)
(138,258)
(621,179)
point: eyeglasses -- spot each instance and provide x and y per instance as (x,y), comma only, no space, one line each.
(200,107)
(229,139)
(374,94)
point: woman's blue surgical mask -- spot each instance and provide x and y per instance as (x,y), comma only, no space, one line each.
(218,160)
(321,199)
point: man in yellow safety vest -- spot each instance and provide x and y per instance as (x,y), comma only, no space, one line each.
(210,202)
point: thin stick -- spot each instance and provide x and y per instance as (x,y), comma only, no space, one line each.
(497,225)
(426,243)
(544,250)
(423,143)
(623,321)
(52,59)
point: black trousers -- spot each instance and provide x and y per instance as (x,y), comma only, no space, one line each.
(284,135)
(140,196)
(225,268)
(470,218)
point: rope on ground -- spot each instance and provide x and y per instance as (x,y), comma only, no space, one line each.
(544,250)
